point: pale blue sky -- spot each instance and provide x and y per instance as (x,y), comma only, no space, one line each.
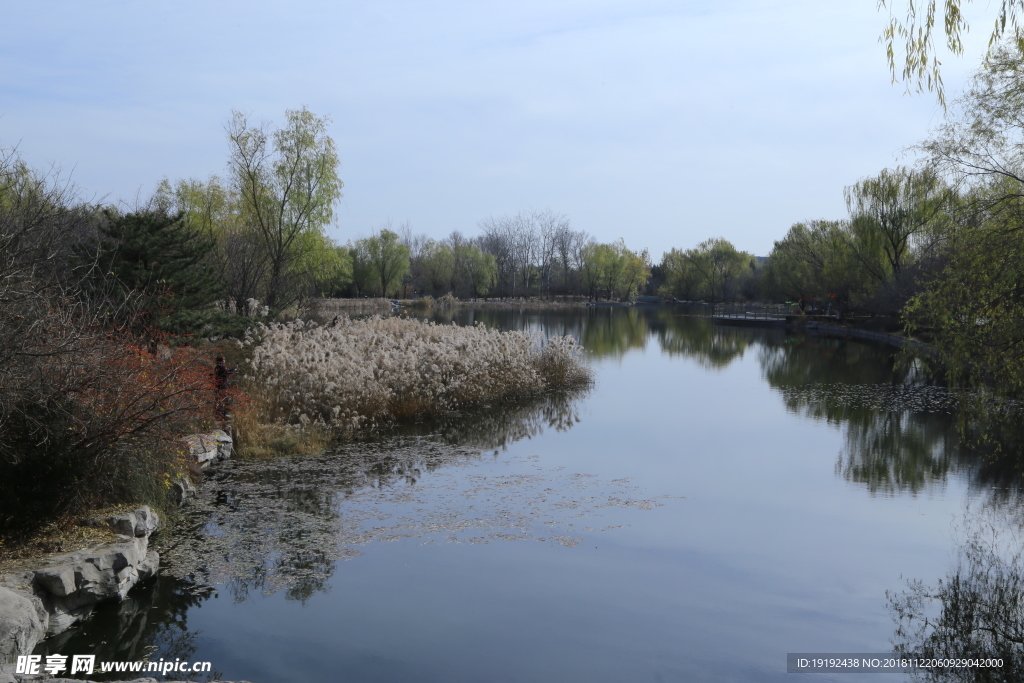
(661,122)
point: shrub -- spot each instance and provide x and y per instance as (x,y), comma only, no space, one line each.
(447,301)
(364,372)
(93,422)
(423,303)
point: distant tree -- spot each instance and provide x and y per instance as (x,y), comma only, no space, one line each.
(287,183)
(387,258)
(567,245)
(437,266)
(477,267)
(215,210)
(635,273)
(611,264)
(362,269)
(816,259)
(591,268)
(681,279)
(717,265)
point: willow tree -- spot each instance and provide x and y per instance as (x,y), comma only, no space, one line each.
(213,207)
(477,268)
(921,68)
(287,183)
(437,266)
(711,270)
(386,258)
(814,259)
(975,304)
(889,211)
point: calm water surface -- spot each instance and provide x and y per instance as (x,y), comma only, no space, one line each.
(720,497)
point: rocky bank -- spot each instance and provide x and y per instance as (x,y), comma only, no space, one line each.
(65,588)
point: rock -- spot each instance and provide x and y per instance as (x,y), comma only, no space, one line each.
(149,566)
(210,448)
(69,586)
(203,450)
(225,444)
(140,522)
(23,623)
(182,490)
(59,581)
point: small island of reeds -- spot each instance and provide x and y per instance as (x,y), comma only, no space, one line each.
(307,383)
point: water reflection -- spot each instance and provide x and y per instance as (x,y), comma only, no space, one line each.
(151,623)
(613,331)
(902,429)
(898,431)
(603,331)
(975,612)
(283,524)
(496,426)
(681,333)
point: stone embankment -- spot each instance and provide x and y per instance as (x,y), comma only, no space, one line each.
(65,588)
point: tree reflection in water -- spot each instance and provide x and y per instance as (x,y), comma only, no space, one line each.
(681,333)
(498,425)
(282,524)
(151,623)
(976,612)
(602,331)
(903,431)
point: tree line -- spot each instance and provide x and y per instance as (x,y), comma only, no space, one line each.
(526,254)
(936,247)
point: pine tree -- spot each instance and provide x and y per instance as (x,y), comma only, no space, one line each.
(162,260)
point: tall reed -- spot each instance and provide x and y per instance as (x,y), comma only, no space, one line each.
(358,373)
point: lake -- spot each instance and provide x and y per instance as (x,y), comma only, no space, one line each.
(721,496)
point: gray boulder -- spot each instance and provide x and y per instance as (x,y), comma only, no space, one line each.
(23,623)
(182,490)
(48,600)
(207,449)
(71,585)
(138,523)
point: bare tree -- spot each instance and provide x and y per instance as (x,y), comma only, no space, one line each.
(549,227)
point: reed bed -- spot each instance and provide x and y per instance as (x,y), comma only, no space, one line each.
(354,374)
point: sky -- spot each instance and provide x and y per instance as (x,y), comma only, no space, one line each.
(661,122)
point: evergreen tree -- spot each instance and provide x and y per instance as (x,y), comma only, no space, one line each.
(162,260)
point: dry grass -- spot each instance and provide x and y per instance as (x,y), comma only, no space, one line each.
(359,373)
(257,437)
(65,535)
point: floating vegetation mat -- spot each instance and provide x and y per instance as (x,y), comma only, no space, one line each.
(283,524)
(882,397)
